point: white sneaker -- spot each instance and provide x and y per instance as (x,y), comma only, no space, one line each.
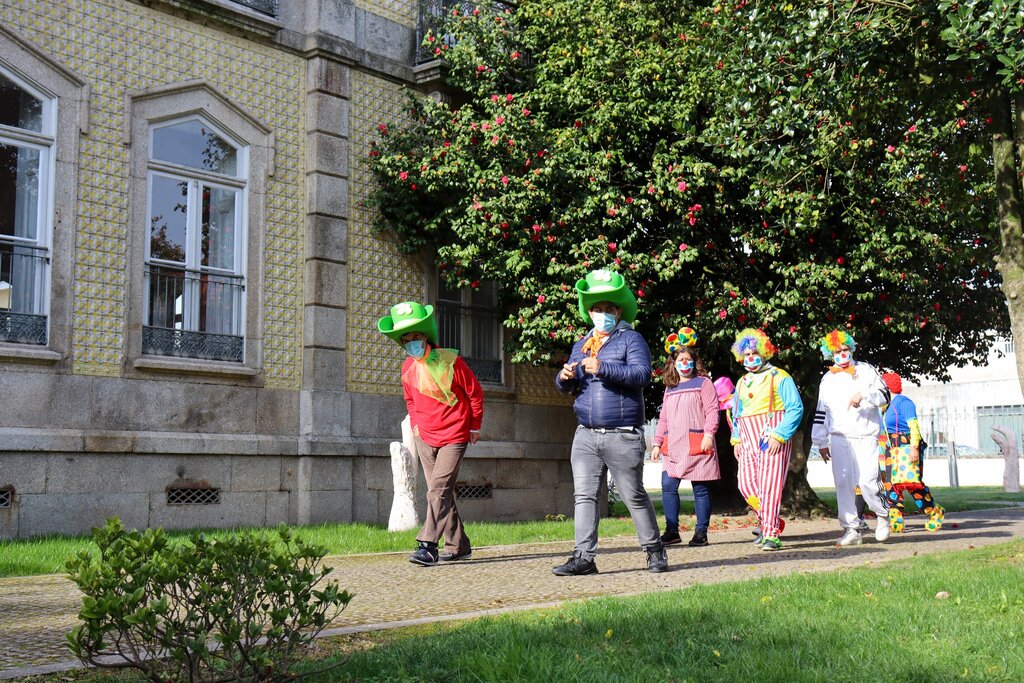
(851,537)
(882,530)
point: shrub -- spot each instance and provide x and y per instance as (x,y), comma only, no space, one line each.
(238,608)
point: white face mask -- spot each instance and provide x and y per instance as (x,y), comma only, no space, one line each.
(752,363)
(684,367)
(603,322)
(842,357)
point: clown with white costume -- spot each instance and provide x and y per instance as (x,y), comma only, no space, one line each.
(847,423)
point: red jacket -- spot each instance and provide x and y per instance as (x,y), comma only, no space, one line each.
(440,424)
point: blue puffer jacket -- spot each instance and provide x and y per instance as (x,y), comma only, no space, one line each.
(615,396)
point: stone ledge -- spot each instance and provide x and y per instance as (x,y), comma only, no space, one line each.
(226,14)
(28,354)
(30,440)
(194,367)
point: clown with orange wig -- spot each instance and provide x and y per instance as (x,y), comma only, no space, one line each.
(847,423)
(766,413)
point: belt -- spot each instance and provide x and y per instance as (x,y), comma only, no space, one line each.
(605,430)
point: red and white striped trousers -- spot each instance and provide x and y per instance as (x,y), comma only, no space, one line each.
(763,476)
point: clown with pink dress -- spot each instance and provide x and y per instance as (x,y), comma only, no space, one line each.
(685,436)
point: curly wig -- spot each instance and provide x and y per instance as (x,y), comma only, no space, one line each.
(831,342)
(751,339)
(685,338)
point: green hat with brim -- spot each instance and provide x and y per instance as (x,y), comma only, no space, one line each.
(606,285)
(409,316)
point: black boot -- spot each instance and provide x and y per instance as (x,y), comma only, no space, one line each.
(657,558)
(671,537)
(700,537)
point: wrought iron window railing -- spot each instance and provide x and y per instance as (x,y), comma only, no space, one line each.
(268,7)
(193,314)
(23,277)
(476,332)
(432,14)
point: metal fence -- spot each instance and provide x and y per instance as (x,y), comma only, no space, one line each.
(967,428)
(23,276)
(432,15)
(193,314)
(268,7)
(476,332)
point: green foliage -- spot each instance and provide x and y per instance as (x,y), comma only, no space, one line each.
(793,166)
(234,608)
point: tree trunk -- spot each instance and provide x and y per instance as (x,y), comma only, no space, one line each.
(798,498)
(1011,221)
(725,493)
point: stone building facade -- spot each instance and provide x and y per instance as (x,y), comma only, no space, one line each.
(189,282)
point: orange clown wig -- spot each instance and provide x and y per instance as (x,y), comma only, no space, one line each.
(835,339)
(751,339)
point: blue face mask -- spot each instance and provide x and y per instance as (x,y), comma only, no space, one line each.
(752,364)
(415,348)
(603,322)
(684,367)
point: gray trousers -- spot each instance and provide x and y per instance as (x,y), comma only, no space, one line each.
(622,454)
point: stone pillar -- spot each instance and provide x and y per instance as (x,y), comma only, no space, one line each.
(325,404)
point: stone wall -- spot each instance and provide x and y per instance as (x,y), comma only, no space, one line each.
(300,434)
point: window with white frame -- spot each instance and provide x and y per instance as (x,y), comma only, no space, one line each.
(195,253)
(468,320)
(27,136)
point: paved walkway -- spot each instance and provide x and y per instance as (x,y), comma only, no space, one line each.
(35,612)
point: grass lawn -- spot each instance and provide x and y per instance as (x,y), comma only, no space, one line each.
(863,624)
(953,499)
(47,555)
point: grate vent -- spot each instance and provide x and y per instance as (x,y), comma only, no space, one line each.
(472,491)
(6,497)
(193,496)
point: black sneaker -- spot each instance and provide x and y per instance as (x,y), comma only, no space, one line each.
(657,559)
(452,557)
(426,554)
(699,538)
(671,537)
(575,566)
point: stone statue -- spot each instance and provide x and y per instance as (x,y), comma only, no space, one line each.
(1006,439)
(403,471)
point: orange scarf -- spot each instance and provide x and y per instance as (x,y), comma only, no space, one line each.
(593,345)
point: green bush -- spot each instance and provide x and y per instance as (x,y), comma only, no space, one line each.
(230,609)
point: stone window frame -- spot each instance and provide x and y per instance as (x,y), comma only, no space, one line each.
(143,109)
(70,94)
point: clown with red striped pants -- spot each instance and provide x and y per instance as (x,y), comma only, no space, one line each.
(766,413)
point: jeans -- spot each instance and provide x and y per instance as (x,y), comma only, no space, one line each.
(670,502)
(594,454)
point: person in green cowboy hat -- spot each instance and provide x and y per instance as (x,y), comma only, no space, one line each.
(607,371)
(446,408)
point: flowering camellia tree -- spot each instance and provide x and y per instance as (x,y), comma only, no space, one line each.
(794,167)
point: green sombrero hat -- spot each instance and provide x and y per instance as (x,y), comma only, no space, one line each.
(605,285)
(409,316)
